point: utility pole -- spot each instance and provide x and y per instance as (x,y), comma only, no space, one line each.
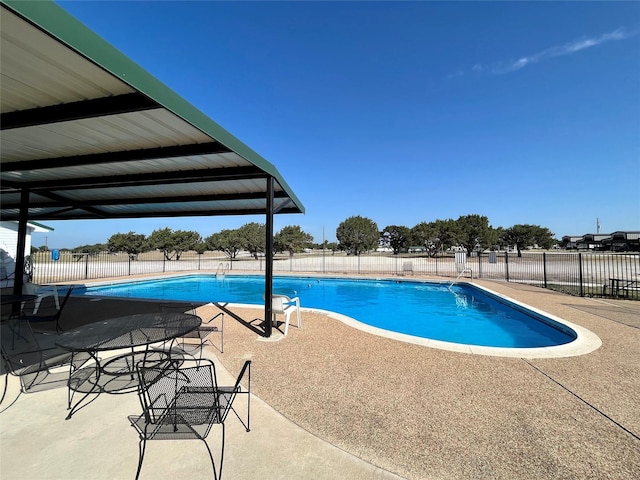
(597,225)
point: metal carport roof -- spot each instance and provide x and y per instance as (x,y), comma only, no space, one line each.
(93,135)
(88,134)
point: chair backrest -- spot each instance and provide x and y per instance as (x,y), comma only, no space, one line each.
(56,316)
(277,304)
(29,288)
(20,349)
(184,387)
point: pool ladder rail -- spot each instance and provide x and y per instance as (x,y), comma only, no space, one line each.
(464,270)
(224,268)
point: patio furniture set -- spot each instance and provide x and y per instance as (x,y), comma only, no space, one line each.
(178,389)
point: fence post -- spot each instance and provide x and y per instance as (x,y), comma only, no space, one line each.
(479,264)
(544,268)
(506,265)
(580,273)
(86,266)
(164,263)
(129,264)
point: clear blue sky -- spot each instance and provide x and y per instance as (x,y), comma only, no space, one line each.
(404,112)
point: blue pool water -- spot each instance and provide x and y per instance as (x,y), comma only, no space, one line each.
(465,314)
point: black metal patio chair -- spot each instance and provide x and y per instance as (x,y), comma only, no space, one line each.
(52,319)
(32,356)
(181,400)
(193,342)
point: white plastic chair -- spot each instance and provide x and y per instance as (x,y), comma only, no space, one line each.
(461,261)
(283,305)
(42,292)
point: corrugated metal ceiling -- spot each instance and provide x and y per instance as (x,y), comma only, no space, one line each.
(92,135)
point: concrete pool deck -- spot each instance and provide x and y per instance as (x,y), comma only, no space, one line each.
(585,341)
(389,407)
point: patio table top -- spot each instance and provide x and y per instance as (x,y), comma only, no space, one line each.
(128,331)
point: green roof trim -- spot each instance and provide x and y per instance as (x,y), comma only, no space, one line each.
(41,225)
(58,23)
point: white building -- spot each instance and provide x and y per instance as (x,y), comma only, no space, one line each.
(9,245)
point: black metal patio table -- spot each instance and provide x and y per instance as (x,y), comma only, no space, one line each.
(126,332)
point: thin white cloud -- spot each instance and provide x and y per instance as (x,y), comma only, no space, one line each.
(570,48)
(566,49)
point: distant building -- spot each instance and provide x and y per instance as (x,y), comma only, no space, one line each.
(570,241)
(591,241)
(622,242)
(614,242)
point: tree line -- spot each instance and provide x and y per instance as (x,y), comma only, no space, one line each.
(355,235)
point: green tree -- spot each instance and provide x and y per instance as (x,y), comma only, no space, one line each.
(184,241)
(499,231)
(228,241)
(162,240)
(396,237)
(357,234)
(327,245)
(473,231)
(435,236)
(253,237)
(291,239)
(130,243)
(525,235)
(173,244)
(92,250)
(200,248)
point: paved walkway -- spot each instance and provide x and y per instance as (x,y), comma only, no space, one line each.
(36,442)
(387,406)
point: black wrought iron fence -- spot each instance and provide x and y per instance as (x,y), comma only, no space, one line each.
(584,274)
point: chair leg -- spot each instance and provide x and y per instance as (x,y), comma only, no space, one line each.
(141,447)
(219,477)
(247,426)
(222,334)
(6,384)
(28,384)
(213,463)
(36,306)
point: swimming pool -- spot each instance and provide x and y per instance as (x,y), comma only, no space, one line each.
(465,314)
